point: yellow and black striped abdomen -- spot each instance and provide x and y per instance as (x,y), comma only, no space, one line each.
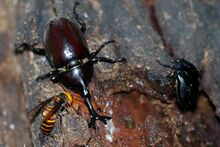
(47,124)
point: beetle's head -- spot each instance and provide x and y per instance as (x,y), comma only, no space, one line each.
(182,64)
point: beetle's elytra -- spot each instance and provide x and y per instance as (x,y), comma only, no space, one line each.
(187,82)
(66,49)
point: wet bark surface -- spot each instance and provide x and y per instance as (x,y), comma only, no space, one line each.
(137,94)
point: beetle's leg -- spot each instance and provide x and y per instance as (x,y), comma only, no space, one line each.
(107,60)
(78,19)
(27,47)
(95,59)
(94,115)
(54,8)
(52,75)
(93,54)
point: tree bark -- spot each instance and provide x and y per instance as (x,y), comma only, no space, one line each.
(138,94)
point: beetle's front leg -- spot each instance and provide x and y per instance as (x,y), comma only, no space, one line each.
(28,47)
(94,115)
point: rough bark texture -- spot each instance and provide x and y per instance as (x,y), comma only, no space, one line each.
(14,126)
(137,94)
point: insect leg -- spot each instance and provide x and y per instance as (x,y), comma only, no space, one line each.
(78,19)
(61,121)
(52,75)
(94,115)
(27,47)
(93,54)
(108,60)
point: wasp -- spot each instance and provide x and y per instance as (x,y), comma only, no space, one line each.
(51,107)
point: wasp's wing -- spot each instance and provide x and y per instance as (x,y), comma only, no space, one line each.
(33,113)
(54,110)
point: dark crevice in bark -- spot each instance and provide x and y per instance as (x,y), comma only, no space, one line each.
(156,26)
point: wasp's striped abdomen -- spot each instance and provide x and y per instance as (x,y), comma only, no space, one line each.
(47,123)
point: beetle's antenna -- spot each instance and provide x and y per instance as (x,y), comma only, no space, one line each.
(54,8)
(164,65)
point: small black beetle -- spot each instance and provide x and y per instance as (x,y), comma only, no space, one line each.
(187,82)
(66,49)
